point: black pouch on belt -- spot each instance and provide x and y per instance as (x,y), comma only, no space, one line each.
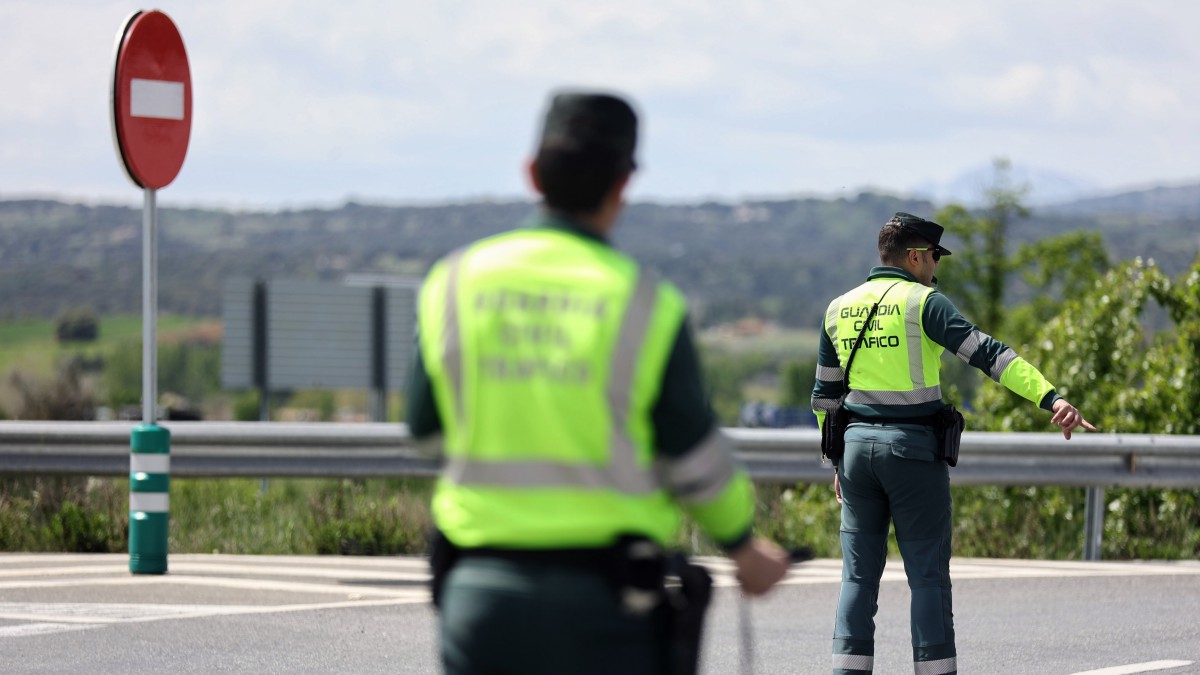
(949,434)
(833,434)
(637,568)
(443,555)
(689,592)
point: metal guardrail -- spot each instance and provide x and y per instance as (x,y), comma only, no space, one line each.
(322,450)
(281,449)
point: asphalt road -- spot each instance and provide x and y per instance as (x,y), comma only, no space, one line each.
(260,614)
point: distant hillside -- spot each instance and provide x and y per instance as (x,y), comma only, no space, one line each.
(1175,203)
(779,260)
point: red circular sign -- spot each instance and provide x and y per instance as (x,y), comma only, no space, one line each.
(151,99)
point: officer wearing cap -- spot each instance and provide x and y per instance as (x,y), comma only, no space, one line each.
(576,428)
(891,468)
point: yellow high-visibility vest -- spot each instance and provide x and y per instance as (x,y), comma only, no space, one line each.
(546,351)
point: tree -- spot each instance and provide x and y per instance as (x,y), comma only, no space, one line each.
(798,379)
(978,273)
(1057,269)
(1125,379)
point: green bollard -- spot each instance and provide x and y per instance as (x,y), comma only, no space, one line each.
(149,498)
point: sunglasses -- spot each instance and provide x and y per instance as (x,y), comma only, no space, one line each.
(937,254)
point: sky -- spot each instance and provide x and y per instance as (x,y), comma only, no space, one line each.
(300,104)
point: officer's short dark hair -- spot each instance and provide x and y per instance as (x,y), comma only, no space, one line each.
(586,146)
(575,181)
(895,239)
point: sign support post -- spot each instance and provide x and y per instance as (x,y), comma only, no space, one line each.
(150,444)
(152,121)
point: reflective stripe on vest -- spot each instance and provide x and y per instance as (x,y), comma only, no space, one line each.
(914,335)
(911,397)
(974,341)
(830,374)
(622,473)
(701,474)
(452,347)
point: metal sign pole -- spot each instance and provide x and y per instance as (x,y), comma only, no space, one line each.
(150,444)
(149,308)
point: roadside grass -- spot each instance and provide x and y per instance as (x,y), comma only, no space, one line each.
(392,517)
(233,516)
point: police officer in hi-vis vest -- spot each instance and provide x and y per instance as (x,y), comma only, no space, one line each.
(892,467)
(576,429)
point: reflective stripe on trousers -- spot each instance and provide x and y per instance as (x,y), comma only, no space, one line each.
(939,667)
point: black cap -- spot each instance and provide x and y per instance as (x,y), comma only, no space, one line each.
(927,229)
(588,122)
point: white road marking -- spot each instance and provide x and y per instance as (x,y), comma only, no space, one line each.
(59,617)
(827,570)
(27,629)
(103,612)
(1136,668)
(357,591)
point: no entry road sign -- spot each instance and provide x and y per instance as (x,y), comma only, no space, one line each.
(151,124)
(151,99)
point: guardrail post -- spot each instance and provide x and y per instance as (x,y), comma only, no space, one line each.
(1093,523)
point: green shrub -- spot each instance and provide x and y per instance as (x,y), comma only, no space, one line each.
(349,519)
(76,529)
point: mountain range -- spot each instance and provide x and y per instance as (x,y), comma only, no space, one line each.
(773,259)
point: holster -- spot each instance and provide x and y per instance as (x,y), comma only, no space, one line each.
(833,433)
(688,594)
(949,433)
(443,555)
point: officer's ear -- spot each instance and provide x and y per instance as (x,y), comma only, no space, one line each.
(621,184)
(534,179)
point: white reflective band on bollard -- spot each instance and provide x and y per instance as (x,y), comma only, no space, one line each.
(150,502)
(149,463)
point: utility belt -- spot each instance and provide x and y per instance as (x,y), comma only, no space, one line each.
(947,424)
(926,421)
(646,579)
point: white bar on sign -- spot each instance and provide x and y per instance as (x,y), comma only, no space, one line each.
(151,502)
(156,98)
(149,463)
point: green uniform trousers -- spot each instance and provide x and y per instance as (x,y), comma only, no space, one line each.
(501,617)
(892,473)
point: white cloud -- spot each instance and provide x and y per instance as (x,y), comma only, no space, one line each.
(303,101)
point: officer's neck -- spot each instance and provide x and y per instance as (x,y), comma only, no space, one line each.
(600,224)
(601,221)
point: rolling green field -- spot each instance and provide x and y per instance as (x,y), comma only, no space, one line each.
(30,344)
(775,344)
